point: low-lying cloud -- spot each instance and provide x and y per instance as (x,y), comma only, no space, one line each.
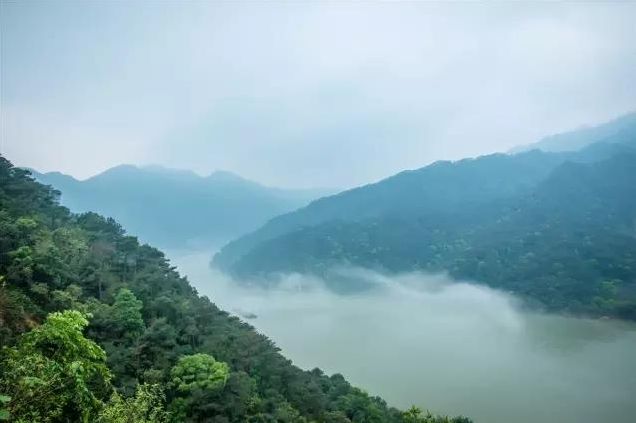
(450,346)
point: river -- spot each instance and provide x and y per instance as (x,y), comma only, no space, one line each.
(454,348)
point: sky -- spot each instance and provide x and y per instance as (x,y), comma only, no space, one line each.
(303,94)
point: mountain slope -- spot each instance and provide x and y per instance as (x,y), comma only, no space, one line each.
(569,244)
(149,322)
(555,227)
(619,130)
(175,208)
(435,193)
(430,191)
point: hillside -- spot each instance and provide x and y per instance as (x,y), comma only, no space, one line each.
(619,130)
(555,228)
(434,192)
(170,354)
(211,210)
(430,191)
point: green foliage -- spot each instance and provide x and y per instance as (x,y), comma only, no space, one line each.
(195,380)
(415,415)
(54,373)
(359,408)
(558,234)
(127,312)
(4,413)
(148,325)
(147,406)
(199,371)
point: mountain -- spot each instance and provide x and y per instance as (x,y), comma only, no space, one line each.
(96,327)
(558,229)
(437,191)
(619,130)
(177,208)
(434,190)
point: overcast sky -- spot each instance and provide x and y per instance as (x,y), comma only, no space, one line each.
(303,94)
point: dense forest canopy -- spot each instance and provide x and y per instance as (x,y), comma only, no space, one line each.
(95,327)
(557,228)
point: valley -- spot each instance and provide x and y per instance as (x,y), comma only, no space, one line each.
(454,349)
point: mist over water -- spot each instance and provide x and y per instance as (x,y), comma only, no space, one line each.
(452,347)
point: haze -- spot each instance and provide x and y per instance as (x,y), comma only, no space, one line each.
(276,91)
(338,157)
(452,347)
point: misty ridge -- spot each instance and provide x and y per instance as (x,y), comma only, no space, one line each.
(461,287)
(317,212)
(178,208)
(556,228)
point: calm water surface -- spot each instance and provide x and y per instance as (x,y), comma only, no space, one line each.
(453,348)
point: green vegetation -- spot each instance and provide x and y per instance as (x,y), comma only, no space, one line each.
(147,406)
(54,372)
(555,228)
(127,339)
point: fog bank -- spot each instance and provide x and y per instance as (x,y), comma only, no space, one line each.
(452,347)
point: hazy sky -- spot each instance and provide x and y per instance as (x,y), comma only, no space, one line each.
(306,93)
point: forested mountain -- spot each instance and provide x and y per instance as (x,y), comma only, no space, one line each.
(559,229)
(619,130)
(127,339)
(176,208)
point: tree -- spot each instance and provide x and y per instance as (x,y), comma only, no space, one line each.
(147,406)
(196,381)
(54,373)
(4,413)
(360,408)
(199,371)
(415,415)
(127,313)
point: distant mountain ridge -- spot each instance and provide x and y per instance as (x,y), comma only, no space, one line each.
(177,208)
(436,190)
(503,220)
(619,130)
